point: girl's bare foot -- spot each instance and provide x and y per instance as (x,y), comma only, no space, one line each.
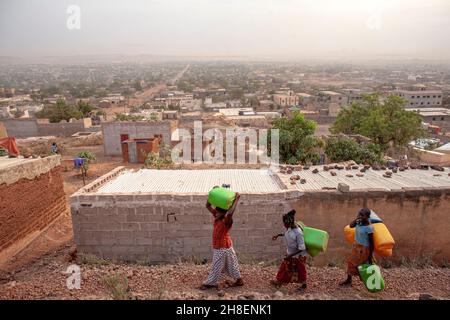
(347,282)
(208,286)
(238,283)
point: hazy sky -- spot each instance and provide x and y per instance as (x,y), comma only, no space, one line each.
(277,28)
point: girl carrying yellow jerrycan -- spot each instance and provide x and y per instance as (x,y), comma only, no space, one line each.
(383,240)
(367,238)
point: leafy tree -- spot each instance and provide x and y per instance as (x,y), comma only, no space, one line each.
(85,108)
(297,141)
(384,122)
(344,149)
(59,111)
(88,158)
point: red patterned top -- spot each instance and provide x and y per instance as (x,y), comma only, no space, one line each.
(221,236)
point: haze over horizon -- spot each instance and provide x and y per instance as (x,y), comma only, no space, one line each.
(283,29)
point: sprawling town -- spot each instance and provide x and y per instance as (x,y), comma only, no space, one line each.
(176,177)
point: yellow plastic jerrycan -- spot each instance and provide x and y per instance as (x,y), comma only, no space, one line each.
(382,238)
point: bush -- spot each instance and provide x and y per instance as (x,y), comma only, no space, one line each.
(345,149)
(118,287)
(297,142)
(88,156)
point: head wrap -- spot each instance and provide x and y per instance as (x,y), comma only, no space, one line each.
(288,218)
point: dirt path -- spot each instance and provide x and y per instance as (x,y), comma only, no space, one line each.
(45,279)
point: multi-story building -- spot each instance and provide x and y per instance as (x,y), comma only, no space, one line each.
(286,98)
(422,98)
(305,99)
(334,101)
(354,95)
(435,116)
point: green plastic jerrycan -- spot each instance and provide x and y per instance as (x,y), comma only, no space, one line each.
(221,197)
(316,240)
(370,275)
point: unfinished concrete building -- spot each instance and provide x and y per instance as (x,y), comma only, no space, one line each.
(31,198)
(114,133)
(160,215)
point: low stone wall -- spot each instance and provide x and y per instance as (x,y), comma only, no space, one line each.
(164,227)
(31,197)
(418,219)
(24,128)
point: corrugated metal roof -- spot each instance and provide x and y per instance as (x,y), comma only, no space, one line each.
(192,181)
(372,179)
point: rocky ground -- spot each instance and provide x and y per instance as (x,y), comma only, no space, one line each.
(45,278)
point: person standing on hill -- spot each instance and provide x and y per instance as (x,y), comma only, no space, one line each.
(224,257)
(54,148)
(363,246)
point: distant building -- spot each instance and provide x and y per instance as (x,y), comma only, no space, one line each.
(305,98)
(170,115)
(421,97)
(325,97)
(114,133)
(354,95)
(435,116)
(286,99)
(334,101)
(115,98)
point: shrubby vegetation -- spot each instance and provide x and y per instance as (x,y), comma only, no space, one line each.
(62,111)
(386,123)
(297,141)
(344,149)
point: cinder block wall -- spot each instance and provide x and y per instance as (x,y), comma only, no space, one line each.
(31,197)
(418,219)
(113,130)
(164,228)
(23,128)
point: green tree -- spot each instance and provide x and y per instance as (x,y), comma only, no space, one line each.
(85,108)
(59,111)
(88,158)
(344,149)
(384,122)
(297,141)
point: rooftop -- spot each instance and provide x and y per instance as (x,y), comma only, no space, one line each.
(372,179)
(6,162)
(14,169)
(330,93)
(262,181)
(192,181)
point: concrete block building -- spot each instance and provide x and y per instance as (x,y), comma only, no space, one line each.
(114,133)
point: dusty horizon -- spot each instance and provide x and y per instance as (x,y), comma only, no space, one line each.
(250,29)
